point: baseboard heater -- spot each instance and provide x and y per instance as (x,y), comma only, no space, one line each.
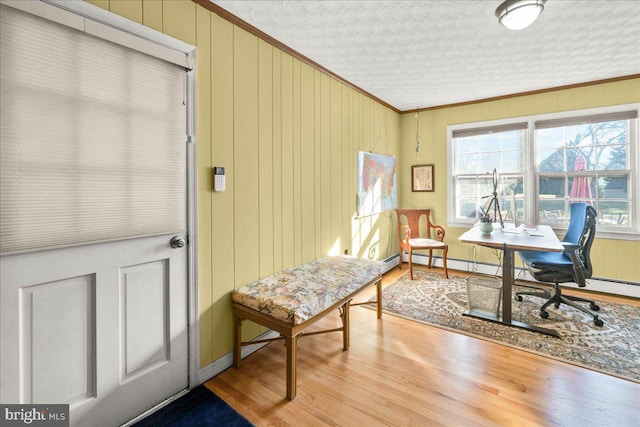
(391,262)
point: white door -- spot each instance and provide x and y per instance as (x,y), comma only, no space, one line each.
(100,327)
(93,191)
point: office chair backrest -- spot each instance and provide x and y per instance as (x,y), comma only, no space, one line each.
(582,231)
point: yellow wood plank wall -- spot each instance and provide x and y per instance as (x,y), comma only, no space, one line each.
(614,259)
(288,137)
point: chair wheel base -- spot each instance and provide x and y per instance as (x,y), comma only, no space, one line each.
(597,321)
(544,314)
(594,306)
(519,298)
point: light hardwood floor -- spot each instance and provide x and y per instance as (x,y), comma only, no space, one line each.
(402,373)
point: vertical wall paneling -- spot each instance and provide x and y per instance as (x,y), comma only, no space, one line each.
(178,19)
(336,180)
(278,223)
(152,17)
(296,160)
(222,214)
(288,242)
(265,153)
(307,164)
(325,162)
(130,9)
(348,155)
(204,175)
(317,160)
(245,160)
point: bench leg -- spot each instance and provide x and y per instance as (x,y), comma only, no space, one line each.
(292,345)
(237,341)
(379,298)
(344,314)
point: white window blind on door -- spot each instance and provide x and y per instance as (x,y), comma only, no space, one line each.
(92,138)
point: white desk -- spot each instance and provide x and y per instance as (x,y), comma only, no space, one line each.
(543,239)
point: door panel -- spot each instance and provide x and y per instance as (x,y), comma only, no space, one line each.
(143,317)
(57,319)
(100,327)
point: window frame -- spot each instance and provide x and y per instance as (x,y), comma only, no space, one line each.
(530,168)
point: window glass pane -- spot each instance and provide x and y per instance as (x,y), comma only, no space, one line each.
(467,163)
(488,162)
(580,135)
(579,159)
(511,162)
(613,187)
(550,138)
(551,160)
(511,190)
(469,208)
(613,214)
(551,211)
(512,140)
(485,186)
(489,142)
(613,157)
(612,132)
(466,145)
(552,187)
(581,188)
(467,187)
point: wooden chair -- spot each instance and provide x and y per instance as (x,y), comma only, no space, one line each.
(410,238)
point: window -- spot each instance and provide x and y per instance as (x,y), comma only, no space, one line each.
(477,152)
(585,159)
(544,164)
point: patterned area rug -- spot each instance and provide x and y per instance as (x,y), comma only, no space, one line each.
(613,349)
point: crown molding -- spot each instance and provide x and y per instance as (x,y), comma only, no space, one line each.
(532,92)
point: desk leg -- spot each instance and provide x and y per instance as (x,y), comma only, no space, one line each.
(507,283)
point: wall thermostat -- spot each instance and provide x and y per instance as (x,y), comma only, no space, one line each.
(218,178)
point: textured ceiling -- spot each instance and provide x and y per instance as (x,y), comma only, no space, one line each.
(418,54)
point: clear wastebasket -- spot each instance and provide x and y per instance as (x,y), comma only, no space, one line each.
(484,295)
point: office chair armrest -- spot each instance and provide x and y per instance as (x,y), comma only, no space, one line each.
(578,267)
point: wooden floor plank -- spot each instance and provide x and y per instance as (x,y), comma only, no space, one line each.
(400,373)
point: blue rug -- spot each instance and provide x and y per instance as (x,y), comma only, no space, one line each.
(199,407)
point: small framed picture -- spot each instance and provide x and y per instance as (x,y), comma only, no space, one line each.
(422,178)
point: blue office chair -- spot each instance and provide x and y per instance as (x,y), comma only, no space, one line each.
(573,265)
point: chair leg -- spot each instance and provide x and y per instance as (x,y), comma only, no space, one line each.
(411,264)
(400,263)
(567,301)
(430,255)
(557,298)
(444,261)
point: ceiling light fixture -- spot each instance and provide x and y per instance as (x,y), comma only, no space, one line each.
(519,14)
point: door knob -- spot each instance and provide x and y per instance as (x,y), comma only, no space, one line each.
(177,242)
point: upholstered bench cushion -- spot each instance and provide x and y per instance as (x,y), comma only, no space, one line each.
(298,294)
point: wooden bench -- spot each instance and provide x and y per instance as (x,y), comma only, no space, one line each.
(290,301)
